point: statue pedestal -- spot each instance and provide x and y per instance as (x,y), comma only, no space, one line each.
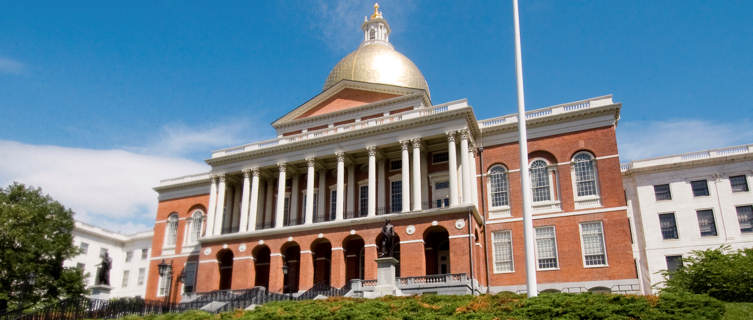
(386,281)
(100,291)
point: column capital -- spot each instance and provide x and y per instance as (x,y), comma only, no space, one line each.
(310,162)
(372,150)
(221,176)
(340,156)
(450,136)
(213,177)
(255,171)
(464,133)
(416,142)
(404,144)
(246,172)
(282,166)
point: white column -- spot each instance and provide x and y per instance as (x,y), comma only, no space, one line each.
(372,180)
(473,176)
(405,164)
(220,212)
(340,186)
(416,174)
(244,200)
(308,216)
(212,204)
(293,214)
(254,205)
(280,213)
(453,168)
(321,209)
(381,187)
(349,196)
(466,166)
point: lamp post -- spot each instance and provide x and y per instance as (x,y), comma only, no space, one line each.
(285,278)
(166,270)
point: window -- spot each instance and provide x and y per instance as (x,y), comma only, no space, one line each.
(84,247)
(668,226)
(332,204)
(195,224)
(592,236)
(745,218)
(144,253)
(540,181)
(172,230)
(129,256)
(163,283)
(498,186)
(363,200)
(502,247)
(372,34)
(142,275)
(585,174)
(396,196)
(546,248)
(738,183)
(102,252)
(125,279)
(189,281)
(396,165)
(286,211)
(706,223)
(80,266)
(673,263)
(439,157)
(316,203)
(442,185)
(700,188)
(661,191)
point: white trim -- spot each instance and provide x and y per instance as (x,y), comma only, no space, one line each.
(174,256)
(369,245)
(412,241)
(460,236)
(603,243)
(244,258)
(275,254)
(336,249)
(512,253)
(589,201)
(305,251)
(556,248)
(209,261)
(561,214)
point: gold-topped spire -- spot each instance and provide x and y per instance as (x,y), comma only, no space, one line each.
(377,13)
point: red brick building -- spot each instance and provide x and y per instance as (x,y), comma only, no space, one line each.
(307,207)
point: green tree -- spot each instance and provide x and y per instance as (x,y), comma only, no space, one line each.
(721,273)
(35,239)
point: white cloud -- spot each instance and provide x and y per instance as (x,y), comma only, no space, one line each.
(11,66)
(108,188)
(339,22)
(645,139)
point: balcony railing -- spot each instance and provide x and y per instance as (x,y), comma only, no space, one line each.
(553,110)
(700,155)
(415,113)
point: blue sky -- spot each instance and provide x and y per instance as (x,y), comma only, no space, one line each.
(104,101)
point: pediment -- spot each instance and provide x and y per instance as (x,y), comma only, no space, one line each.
(346,94)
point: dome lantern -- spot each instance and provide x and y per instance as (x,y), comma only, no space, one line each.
(375,29)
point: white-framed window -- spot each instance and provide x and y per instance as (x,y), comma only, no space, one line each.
(586,177)
(142,275)
(316,202)
(592,243)
(189,280)
(673,263)
(396,164)
(363,200)
(546,248)
(126,273)
(144,253)
(706,223)
(163,284)
(540,184)
(333,204)
(662,192)
(502,248)
(700,188)
(171,235)
(396,196)
(194,226)
(84,247)
(668,226)
(499,191)
(440,190)
(129,256)
(745,218)
(738,183)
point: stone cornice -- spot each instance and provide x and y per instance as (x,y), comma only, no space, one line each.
(688,160)
(613,109)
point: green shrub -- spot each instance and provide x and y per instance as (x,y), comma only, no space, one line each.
(688,306)
(720,273)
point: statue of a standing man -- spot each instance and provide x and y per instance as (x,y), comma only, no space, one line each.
(103,272)
(388,240)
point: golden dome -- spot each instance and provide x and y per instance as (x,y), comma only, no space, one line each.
(376,61)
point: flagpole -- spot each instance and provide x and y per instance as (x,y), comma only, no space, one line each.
(525,178)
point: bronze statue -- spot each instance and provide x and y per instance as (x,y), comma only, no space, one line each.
(103,272)
(388,240)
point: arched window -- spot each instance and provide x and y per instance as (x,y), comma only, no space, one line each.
(498,186)
(585,174)
(197,218)
(172,230)
(372,34)
(540,181)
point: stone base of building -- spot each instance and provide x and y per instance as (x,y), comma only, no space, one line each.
(627,286)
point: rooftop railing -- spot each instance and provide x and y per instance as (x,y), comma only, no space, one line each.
(700,155)
(548,111)
(412,114)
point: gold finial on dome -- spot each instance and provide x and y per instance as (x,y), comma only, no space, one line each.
(377,13)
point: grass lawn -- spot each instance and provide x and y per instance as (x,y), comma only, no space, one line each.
(738,311)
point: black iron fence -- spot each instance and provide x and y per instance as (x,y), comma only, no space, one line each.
(85,308)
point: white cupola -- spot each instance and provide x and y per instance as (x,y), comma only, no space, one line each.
(375,29)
